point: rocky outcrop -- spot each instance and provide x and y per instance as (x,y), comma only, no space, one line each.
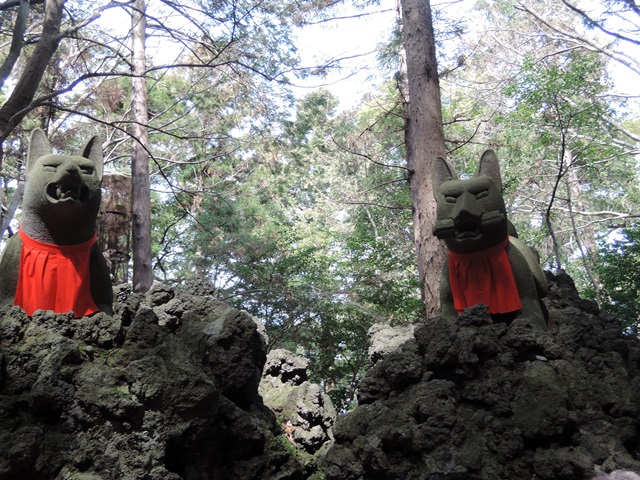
(384,339)
(304,412)
(484,400)
(166,389)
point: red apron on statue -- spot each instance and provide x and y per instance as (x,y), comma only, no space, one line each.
(55,277)
(484,277)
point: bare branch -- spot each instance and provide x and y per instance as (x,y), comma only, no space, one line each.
(583,41)
(93,17)
(375,187)
(349,17)
(364,155)
(389,207)
(594,24)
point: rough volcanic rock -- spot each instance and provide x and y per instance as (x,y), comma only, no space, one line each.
(384,339)
(166,389)
(485,400)
(305,413)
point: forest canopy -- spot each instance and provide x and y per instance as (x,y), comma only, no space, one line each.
(298,209)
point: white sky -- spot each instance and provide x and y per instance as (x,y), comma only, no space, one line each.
(356,38)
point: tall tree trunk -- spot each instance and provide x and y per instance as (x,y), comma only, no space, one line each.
(15,108)
(140,187)
(563,166)
(424,140)
(7,215)
(584,237)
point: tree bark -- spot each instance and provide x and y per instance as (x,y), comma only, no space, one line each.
(140,185)
(424,140)
(8,214)
(17,38)
(15,108)
(114,225)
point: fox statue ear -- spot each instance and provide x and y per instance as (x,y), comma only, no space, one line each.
(39,146)
(93,151)
(441,171)
(490,166)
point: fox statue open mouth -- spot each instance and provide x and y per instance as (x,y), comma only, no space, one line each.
(67,191)
(468,231)
(469,227)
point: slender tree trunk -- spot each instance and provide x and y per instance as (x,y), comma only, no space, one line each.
(565,162)
(572,185)
(15,108)
(7,216)
(114,227)
(17,38)
(424,140)
(554,241)
(140,187)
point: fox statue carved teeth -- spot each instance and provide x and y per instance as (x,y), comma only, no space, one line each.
(486,263)
(54,263)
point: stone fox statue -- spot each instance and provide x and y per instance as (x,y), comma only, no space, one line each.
(54,262)
(486,263)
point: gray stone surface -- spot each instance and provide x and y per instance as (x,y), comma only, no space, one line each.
(305,413)
(482,400)
(384,339)
(166,389)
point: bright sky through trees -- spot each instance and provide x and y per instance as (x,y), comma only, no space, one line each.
(354,35)
(351,37)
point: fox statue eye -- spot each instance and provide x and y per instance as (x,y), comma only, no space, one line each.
(482,194)
(450,199)
(87,169)
(49,167)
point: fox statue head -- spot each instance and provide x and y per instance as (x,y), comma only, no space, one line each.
(62,192)
(471,215)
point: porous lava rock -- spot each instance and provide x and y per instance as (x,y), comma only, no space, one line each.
(305,413)
(480,399)
(384,339)
(166,389)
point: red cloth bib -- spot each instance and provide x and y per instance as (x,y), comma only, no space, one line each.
(55,277)
(484,277)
